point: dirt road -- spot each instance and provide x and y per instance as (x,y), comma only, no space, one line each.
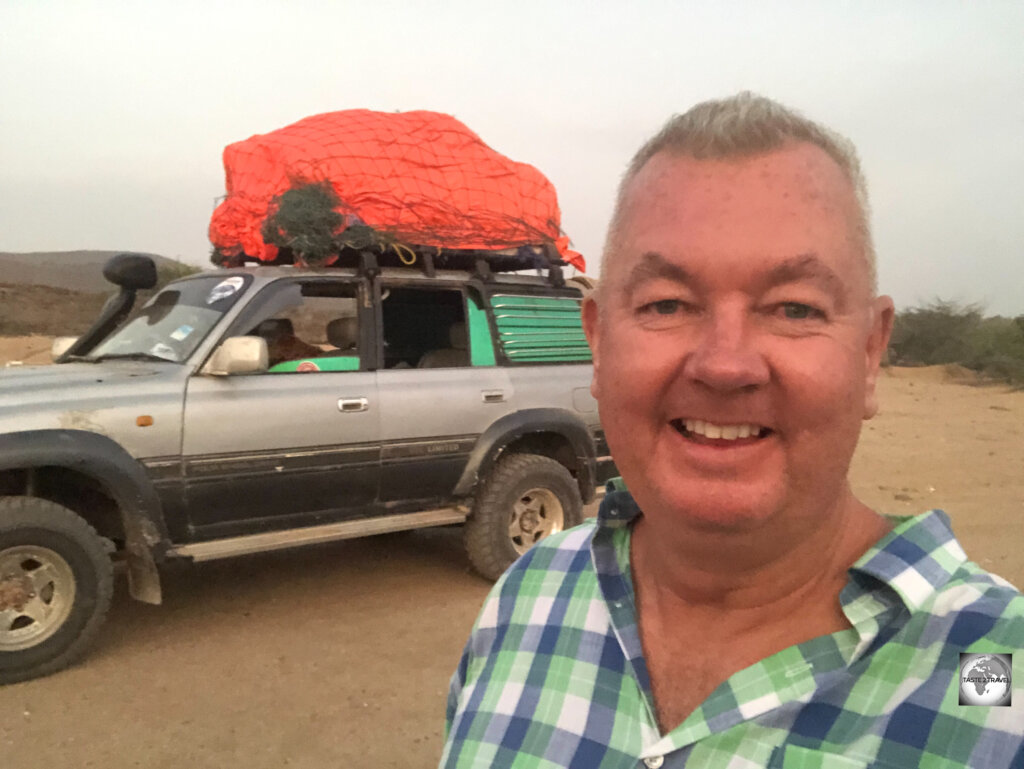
(339,656)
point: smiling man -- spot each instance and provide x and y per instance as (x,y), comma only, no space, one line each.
(738,606)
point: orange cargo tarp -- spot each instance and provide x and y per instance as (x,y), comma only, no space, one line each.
(422,177)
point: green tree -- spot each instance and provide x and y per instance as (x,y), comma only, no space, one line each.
(950,332)
(936,333)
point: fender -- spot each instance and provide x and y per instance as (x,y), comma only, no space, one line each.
(121,476)
(514,426)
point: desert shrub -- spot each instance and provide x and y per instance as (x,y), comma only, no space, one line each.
(949,332)
(936,333)
(996,338)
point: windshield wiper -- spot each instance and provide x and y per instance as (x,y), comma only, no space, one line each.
(147,356)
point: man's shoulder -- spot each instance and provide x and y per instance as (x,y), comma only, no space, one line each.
(556,558)
(973,610)
(567,552)
(924,563)
(974,590)
(540,575)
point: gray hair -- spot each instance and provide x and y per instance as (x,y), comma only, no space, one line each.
(742,125)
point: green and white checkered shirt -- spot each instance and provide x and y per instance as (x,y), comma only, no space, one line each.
(554,675)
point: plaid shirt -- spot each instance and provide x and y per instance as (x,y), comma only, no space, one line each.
(554,675)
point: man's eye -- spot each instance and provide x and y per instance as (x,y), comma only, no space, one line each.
(661,307)
(665,306)
(798,311)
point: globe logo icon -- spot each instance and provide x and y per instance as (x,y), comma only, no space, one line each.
(985,679)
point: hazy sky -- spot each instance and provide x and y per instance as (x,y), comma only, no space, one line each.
(113,115)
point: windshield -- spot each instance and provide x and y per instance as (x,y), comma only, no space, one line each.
(173,323)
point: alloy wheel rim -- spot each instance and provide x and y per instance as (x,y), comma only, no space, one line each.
(535,515)
(37,591)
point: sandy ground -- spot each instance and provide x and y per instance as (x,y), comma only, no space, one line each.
(340,655)
(25,350)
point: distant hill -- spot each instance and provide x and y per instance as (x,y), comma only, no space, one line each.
(59,293)
(73,270)
(47,310)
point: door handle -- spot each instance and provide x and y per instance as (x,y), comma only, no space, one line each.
(493,396)
(352,405)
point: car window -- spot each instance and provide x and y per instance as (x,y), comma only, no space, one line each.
(309,327)
(424,327)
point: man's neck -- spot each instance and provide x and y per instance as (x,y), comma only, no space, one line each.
(754,573)
(712,603)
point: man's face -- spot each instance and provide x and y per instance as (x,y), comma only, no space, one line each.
(735,337)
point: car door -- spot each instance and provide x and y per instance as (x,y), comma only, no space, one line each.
(438,386)
(298,444)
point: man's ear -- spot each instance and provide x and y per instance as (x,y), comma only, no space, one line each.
(592,328)
(882,316)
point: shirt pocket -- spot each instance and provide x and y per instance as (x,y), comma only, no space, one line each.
(796,757)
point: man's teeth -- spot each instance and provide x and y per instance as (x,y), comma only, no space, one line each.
(725,432)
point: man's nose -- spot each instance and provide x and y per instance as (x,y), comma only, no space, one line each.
(726,355)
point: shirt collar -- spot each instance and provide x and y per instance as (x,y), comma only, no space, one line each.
(915,559)
(618,508)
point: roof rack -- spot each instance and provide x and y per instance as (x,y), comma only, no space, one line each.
(483,264)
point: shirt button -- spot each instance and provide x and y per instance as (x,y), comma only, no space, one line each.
(654,762)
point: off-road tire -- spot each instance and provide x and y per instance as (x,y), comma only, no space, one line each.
(488,543)
(29,524)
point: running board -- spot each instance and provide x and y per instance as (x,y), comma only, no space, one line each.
(280,540)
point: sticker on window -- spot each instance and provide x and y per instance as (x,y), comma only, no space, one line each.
(181,332)
(161,350)
(225,288)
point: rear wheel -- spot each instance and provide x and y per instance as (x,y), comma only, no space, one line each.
(526,498)
(56,581)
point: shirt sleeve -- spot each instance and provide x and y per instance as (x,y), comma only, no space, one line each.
(466,678)
(455,688)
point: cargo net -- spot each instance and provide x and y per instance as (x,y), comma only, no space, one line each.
(403,185)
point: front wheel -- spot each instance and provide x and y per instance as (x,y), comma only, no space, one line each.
(56,581)
(526,498)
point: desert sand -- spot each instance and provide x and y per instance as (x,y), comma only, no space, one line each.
(25,350)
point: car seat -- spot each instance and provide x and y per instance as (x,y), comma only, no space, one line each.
(343,333)
(456,354)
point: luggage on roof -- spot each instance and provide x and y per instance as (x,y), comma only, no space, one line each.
(406,182)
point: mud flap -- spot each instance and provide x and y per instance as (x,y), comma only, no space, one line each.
(141,537)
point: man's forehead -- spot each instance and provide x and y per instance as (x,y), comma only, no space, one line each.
(807,267)
(773,206)
(797,163)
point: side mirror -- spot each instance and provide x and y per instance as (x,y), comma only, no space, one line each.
(61,345)
(238,355)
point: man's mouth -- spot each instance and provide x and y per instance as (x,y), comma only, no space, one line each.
(699,431)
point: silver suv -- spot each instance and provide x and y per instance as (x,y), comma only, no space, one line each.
(257,409)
